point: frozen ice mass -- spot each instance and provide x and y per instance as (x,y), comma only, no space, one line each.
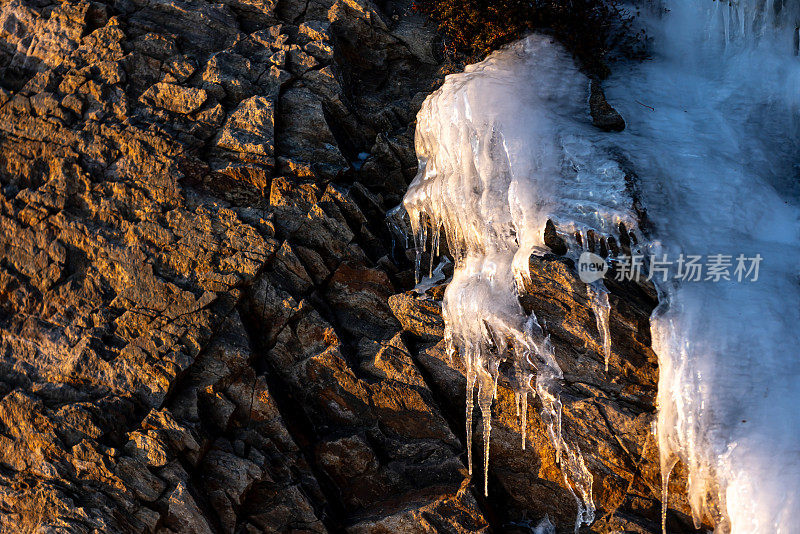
(713,122)
(504,147)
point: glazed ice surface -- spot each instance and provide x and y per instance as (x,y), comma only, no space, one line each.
(504,147)
(713,138)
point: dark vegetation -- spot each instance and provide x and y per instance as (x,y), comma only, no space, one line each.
(595,31)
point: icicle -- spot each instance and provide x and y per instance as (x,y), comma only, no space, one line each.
(558,432)
(434,247)
(418,232)
(598,297)
(448,341)
(524,423)
(438,238)
(519,386)
(397,220)
(487,387)
(471,378)
(666,470)
(521,399)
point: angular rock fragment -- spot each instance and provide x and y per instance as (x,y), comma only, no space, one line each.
(250,128)
(175,98)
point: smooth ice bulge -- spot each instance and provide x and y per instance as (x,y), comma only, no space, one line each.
(502,148)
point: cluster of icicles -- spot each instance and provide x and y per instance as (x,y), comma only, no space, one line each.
(495,164)
(713,122)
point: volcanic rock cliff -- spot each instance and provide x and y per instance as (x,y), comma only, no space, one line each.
(203,327)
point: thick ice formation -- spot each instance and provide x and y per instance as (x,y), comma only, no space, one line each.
(504,147)
(713,133)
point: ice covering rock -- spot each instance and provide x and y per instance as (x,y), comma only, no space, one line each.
(712,133)
(503,148)
(713,122)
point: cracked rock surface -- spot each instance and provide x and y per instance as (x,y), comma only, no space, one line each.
(203,323)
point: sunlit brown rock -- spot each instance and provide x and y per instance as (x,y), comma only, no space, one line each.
(205,323)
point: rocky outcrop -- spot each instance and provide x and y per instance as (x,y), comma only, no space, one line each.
(202,319)
(608,414)
(604,116)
